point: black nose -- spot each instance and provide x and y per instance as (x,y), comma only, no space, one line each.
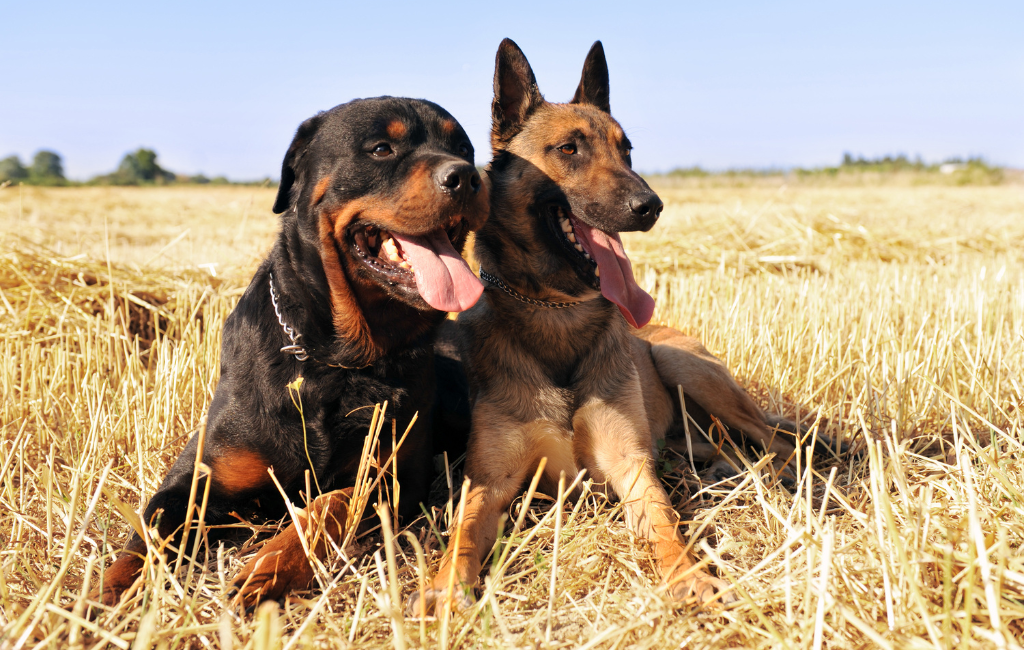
(458,178)
(646,206)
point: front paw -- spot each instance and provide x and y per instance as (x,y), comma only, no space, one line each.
(270,575)
(433,600)
(118,579)
(701,588)
(110,596)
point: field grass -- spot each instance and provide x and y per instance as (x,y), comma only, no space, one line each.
(893,311)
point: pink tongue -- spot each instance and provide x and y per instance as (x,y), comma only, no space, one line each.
(442,277)
(617,283)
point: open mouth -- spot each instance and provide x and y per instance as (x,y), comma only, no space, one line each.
(567,227)
(427,264)
(380,250)
(601,261)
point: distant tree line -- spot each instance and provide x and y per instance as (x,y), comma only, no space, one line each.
(972,170)
(139,167)
(964,170)
(46,169)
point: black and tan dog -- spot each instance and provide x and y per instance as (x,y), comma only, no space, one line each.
(554,368)
(376,197)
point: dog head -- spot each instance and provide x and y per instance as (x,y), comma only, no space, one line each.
(568,167)
(385,191)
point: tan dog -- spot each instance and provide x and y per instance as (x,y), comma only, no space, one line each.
(554,367)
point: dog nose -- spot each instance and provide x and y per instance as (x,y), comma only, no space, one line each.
(459,178)
(646,206)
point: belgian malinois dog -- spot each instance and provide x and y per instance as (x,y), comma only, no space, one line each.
(556,366)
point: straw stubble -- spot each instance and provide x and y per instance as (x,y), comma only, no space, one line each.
(891,315)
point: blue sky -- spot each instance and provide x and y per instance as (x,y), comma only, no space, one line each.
(219,88)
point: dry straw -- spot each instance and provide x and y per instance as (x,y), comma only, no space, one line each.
(891,314)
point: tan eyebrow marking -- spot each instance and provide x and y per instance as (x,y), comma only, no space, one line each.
(396,129)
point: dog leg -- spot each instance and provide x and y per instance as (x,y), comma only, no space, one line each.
(166,506)
(616,445)
(122,574)
(237,474)
(482,510)
(497,464)
(683,361)
(724,463)
(281,565)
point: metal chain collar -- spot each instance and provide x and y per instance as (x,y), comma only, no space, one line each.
(300,352)
(294,348)
(521,298)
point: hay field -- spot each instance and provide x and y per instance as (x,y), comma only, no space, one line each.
(892,311)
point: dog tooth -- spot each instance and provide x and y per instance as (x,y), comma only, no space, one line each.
(586,255)
(578,247)
(571,237)
(597,271)
(566,226)
(405,265)
(391,250)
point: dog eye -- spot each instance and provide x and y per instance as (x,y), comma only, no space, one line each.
(568,149)
(463,149)
(382,150)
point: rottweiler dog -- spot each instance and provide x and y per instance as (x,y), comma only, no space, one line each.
(557,366)
(376,199)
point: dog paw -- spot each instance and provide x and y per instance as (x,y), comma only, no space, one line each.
(118,579)
(719,471)
(270,576)
(110,596)
(701,588)
(827,445)
(434,602)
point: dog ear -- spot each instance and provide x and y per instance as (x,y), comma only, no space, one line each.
(593,88)
(290,166)
(515,92)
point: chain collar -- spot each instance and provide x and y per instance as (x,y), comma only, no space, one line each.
(294,349)
(496,281)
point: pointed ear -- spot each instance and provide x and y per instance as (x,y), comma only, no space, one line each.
(292,159)
(515,92)
(593,88)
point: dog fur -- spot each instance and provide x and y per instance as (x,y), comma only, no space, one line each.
(573,382)
(351,175)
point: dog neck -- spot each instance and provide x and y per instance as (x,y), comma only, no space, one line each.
(514,245)
(525,266)
(369,327)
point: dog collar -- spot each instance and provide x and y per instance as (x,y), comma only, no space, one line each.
(294,349)
(496,281)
